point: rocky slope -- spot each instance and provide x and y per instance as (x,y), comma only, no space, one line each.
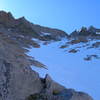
(17,80)
(85,38)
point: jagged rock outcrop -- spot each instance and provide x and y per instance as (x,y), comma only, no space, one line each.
(54,91)
(22,26)
(90,32)
(85,38)
(17,80)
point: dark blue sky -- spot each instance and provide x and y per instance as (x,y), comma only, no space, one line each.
(63,14)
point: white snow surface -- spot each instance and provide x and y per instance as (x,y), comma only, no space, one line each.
(97,32)
(44,33)
(69,69)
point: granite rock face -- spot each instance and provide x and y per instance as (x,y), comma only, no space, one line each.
(54,91)
(17,80)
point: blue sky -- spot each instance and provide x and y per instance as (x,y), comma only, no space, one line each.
(63,14)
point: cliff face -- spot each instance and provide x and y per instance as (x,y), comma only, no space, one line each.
(17,80)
